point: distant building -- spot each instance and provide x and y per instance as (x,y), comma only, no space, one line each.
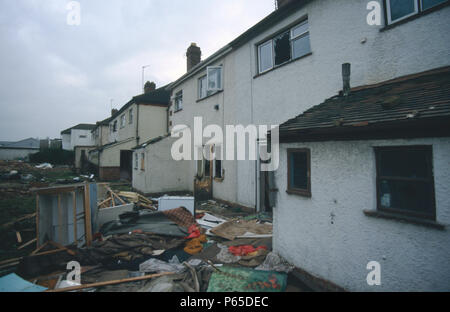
(18,150)
(79,135)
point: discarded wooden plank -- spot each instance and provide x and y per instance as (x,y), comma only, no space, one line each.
(100,284)
(19,237)
(27,243)
(49,252)
(8,265)
(28,216)
(104,202)
(39,248)
(57,245)
(10,260)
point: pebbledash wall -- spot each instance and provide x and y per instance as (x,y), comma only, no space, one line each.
(343,184)
(339,33)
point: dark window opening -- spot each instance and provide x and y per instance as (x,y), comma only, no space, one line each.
(218,168)
(405,182)
(282,48)
(299,171)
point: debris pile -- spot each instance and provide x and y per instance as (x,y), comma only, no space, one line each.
(136,247)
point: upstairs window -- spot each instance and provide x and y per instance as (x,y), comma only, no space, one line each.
(289,45)
(398,10)
(299,172)
(143,161)
(122,121)
(405,182)
(136,160)
(130,116)
(179,101)
(115,126)
(211,83)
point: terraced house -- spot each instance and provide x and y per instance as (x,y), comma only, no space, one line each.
(289,62)
(142,118)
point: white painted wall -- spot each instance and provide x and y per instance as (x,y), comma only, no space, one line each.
(66,144)
(343,183)
(79,137)
(337,28)
(161,174)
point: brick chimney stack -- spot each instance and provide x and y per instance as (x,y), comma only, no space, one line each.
(114,111)
(149,87)
(194,56)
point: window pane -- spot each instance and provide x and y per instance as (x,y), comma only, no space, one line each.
(404,163)
(401,8)
(218,167)
(214,79)
(265,56)
(411,196)
(299,171)
(301,46)
(427,4)
(300,29)
(207,168)
(282,48)
(202,87)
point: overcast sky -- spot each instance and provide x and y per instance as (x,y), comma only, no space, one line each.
(54,76)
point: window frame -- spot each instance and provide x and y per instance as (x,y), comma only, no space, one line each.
(430,179)
(291,39)
(130,116)
(200,87)
(123,121)
(142,161)
(297,191)
(220,87)
(419,10)
(177,100)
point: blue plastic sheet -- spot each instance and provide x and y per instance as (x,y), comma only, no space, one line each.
(14,283)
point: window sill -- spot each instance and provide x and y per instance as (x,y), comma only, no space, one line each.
(218,179)
(178,110)
(279,66)
(208,96)
(300,193)
(416,16)
(407,219)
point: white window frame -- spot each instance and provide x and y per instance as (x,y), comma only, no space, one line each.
(271,55)
(130,116)
(123,120)
(200,87)
(178,100)
(219,87)
(272,50)
(388,10)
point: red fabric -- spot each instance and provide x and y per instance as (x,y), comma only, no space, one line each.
(194,232)
(244,250)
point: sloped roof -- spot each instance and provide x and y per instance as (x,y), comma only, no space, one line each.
(415,105)
(79,127)
(30,143)
(160,96)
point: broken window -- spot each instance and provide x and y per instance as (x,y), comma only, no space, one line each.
(282,48)
(289,45)
(179,101)
(299,171)
(405,182)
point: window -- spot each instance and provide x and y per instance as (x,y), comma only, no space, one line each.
(214,78)
(179,101)
(122,121)
(299,172)
(289,45)
(405,182)
(130,116)
(83,136)
(136,160)
(398,10)
(143,161)
(115,126)
(218,170)
(211,83)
